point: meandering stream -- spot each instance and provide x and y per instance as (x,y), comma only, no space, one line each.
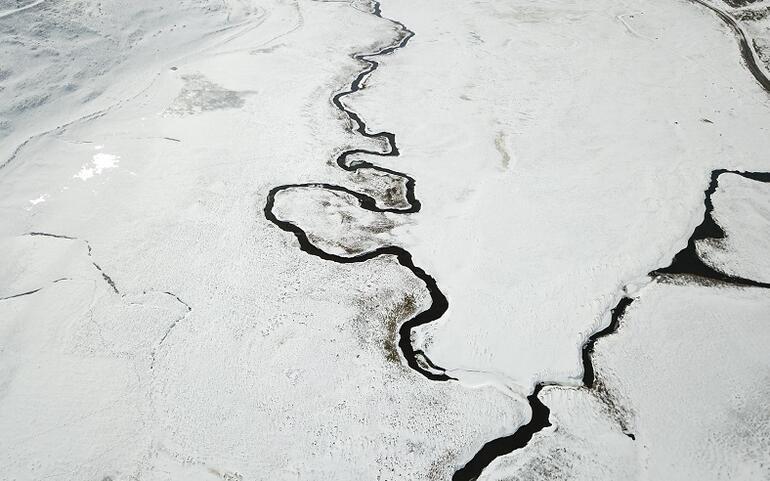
(685,262)
(416,359)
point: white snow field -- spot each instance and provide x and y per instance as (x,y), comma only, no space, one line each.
(578,162)
(742,209)
(194,286)
(688,374)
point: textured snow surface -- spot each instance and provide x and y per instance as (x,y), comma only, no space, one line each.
(687,373)
(222,351)
(154,325)
(605,158)
(742,209)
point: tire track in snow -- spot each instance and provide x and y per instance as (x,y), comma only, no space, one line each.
(748,52)
(13,11)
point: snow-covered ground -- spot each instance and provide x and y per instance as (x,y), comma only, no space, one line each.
(684,379)
(742,209)
(156,325)
(687,374)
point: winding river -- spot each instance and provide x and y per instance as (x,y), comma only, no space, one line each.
(416,359)
(685,262)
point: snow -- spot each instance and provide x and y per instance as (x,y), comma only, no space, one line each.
(282,366)
(39,200)
(687,374)
(612,159)
(560,150)
(742,209)
(100,162)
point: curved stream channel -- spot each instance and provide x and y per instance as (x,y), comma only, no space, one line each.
(686,262)
(416,359)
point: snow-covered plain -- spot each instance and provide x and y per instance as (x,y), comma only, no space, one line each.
(687,374)
(742,209)
(154,325)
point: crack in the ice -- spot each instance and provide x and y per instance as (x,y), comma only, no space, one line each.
(104,275)
(112,285)
(106,278)
(55,236)
(154,352)
(22,294)
(33,291)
